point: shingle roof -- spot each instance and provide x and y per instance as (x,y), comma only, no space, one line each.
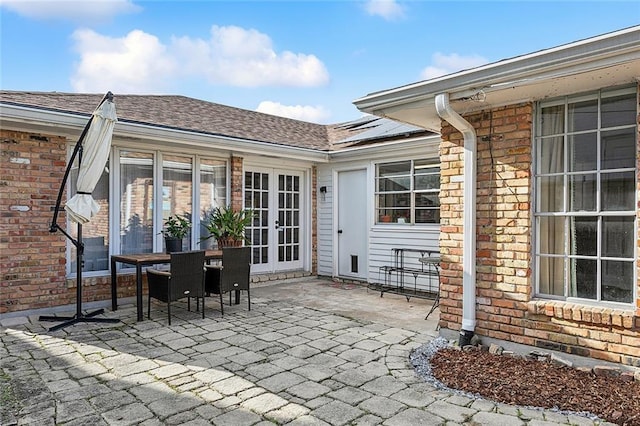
(189,114)
(183,113)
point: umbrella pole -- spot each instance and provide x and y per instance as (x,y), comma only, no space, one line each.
(77,242)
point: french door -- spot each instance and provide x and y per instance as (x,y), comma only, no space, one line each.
(276,235)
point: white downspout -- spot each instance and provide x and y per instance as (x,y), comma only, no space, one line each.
(469,216)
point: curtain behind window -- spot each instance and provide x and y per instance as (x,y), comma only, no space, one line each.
(551,199)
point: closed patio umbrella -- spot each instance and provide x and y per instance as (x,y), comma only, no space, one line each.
(92,151)
(95,152)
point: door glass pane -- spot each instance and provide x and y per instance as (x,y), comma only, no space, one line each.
(256,187)
(289,214)
(136,202)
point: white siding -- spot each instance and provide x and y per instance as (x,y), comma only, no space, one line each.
(382,238)
(325,221)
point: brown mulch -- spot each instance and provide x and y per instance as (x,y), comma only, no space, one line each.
(519,381)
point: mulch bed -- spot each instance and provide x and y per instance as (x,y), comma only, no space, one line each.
(519,381)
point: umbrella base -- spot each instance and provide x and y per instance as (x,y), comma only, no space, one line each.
(77,318)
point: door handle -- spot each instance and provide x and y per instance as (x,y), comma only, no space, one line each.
(339,231)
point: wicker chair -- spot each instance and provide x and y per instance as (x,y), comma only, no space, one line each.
(185,279)
(232,275)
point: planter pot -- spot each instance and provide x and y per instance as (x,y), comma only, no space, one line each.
(172,244)
(229,242)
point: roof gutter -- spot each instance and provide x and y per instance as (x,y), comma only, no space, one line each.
(446,112)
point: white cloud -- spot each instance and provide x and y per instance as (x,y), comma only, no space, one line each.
(140,63)
(246,58)
(447,64)
(136,63)
(387,9)
(71,10)
(311,114)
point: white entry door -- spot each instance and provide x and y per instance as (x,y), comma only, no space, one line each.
(276,235)
(352,224)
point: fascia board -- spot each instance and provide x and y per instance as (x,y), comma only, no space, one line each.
(71,125)
(578,57)
(12,116)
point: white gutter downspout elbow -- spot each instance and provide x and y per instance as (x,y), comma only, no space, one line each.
(469,215)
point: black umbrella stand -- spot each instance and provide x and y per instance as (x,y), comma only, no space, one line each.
(77,242)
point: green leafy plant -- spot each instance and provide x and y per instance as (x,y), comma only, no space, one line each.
(176,226)
(225,224)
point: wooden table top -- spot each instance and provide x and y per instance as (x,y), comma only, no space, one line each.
(153,258)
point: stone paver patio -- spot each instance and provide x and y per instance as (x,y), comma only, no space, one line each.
(309,352)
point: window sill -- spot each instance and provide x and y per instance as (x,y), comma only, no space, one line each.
(606,316)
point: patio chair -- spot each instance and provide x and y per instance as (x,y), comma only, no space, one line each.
(185,279)
(231,276)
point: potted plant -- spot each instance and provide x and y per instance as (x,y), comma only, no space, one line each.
(176,227)
(228,226)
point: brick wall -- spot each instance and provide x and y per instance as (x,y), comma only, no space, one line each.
(236,183)
(33,260)
(505,307)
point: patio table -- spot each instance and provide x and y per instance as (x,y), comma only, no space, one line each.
(140,260)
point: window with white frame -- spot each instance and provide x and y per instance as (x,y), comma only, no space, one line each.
(213,194)
(135,201)
(95,234)
(585,211)
(408,192)
(177,190)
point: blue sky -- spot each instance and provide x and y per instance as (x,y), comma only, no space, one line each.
(301,59)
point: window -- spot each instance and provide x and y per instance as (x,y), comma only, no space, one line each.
(408,192)
(177,190)
(213,194)
(95,234)
(135,203)
(585,154)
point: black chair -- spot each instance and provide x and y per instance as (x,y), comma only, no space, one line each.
(232,275)
(185,279)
